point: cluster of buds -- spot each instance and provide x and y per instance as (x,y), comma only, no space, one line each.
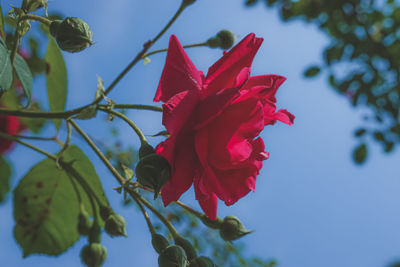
(182,254)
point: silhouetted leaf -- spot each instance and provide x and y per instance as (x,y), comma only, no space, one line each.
(312,71)
(360,154)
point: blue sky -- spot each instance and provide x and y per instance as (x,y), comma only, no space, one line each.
(312,206)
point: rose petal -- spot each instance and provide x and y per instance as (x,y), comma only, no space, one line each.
(9,125)
(179,74)
(214,105)
(183,167)
(266,85)
(224,72)
(178,109)
(231,133)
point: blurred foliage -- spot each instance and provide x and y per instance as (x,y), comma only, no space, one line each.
(362,59)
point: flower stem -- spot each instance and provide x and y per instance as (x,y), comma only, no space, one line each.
(36,18)
(69,113)
(139,56)
(145,215)
(35,138)
(170,227)
(120,179)
(15,139)
(166,49)
(133,106)
(127,120)
(189,209)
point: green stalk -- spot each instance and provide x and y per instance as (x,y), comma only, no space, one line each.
(127,120)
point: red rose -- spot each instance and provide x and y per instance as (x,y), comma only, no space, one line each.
(9,125)
(214,122)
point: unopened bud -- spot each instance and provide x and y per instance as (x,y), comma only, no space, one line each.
(115,225)
(145,150)
(71,34)
(33,5)
(153,171)
(84,223)
(224,39)
(232,229)
(186,3)
(105,212)
(93,255)
(187,247)
(202,262)
(172,256)
(159,243)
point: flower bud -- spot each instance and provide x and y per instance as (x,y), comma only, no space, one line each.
(84,223)
(214,224)
(145,150)
(71,34)
(33,5)
(153,171)
(186,3)
(159,243)
(93,255)
(202,262)
(115,225)
(105,212)
(224,39)
(172,256)
(187,247)
(232,229)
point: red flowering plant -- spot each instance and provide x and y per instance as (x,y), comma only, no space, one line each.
(214,122)
(213,143)
(8,125)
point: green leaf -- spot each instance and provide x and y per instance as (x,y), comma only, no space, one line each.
(56,79)
(81,163)
(24,75)
(128,172)
(87,113)
(360,132)
(312,71)
(100,88)
(5,175)
(6,75)
(162,133)
(46,210)
(46,203)
(360,154)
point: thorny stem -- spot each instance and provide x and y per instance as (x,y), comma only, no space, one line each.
(139,56)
